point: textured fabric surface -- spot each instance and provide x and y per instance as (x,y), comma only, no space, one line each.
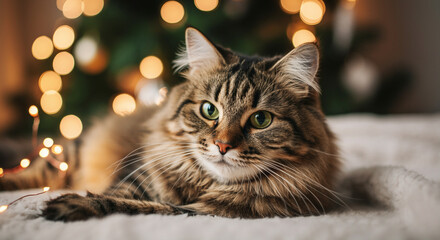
(390,180)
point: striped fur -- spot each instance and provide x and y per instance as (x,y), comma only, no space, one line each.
(164,160)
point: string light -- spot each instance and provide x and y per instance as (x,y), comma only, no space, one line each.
(206,5)
(290,6)
(151,67)
(312,11)
(51,102)
(44,152)
(33,111)
(3,208)
(50,80)
(48,142)
(93,7)
(42,48)
(57,149)
(302,36)
(124,104)
(172,12)
(24,163)
(71,126)
(63,63)
(63,37)
(1,171)
(63,166)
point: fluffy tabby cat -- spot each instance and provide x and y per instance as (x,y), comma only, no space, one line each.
(242,137)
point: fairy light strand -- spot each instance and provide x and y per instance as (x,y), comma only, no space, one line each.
(3,208)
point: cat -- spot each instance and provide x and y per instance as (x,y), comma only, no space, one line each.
(242,137)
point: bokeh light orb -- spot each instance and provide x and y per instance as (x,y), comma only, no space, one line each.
(93,7)
(57,149)
(71,126)
(63,37)
(51,102)
(151,67)
(63,166)
(50,80)
(33,111)
(24,163)
(44,152)
(302,36)
(312,11)
(290,6)
(124,104)
(42,48)
(73,8)
(206,5)
(172,12)
(48,142)
(63,63)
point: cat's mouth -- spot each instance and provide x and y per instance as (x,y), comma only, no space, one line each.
(223,162)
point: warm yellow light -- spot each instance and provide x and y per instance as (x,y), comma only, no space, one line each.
(51,102)
(312,11)
(71,126)
(3,208)
(45,189)
(60,4)
(24,163)
(48,142)
(124,104)
(63,63)
(44,152)
(64,166)
(302,36)
(50,80)
(172,12)
(290,6)
(73,8)
(93,7)
(206,5)
(42,48)
(1,171)
(57,149)
(63,37)
(151,67)
(33,111)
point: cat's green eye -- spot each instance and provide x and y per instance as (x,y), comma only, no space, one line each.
(261,119)
(209,111)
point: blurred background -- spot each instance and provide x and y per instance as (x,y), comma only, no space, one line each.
(75,59)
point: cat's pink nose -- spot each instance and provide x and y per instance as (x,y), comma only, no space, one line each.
(222,147)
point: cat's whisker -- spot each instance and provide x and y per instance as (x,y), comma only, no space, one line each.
(141,158)
(298,191)
(132,153)
(262,170)
(168,167)
(312,181)
(302,184)
(142,166)
(158,161)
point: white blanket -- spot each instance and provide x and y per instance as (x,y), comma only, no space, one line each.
(392,163)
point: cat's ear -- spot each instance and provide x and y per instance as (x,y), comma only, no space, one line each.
(199,53)
(298,69)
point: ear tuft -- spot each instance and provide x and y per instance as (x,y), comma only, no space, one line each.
(299,67)
(199,53)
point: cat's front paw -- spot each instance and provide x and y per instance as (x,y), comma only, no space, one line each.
(71,207)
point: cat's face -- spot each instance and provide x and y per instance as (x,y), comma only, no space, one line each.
(245,116)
